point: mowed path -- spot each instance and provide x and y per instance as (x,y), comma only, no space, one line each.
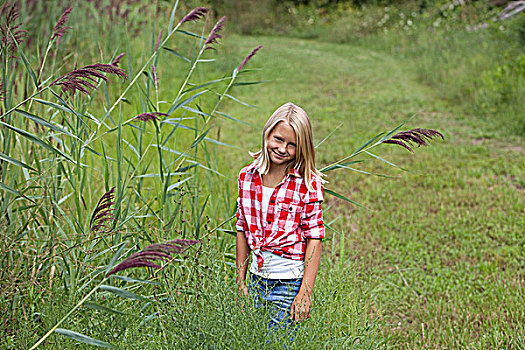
(442,246)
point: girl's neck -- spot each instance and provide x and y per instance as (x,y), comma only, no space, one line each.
(274,176)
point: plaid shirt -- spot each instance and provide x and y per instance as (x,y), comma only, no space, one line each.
(294,214)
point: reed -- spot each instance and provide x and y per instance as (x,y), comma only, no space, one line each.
(81,173)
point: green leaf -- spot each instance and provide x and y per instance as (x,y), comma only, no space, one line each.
(123,293)
(197,87)
(45,123)
(197,111)
(103,308)
(36,140)
(133,280)
(172,17)
(64,103)
(83,338)
(26,61)
(200,138)
(219,143)
(197,227)
(366,144)
(176,105)
(239,101)
(204,167)
(115,257)
(13,191)
(15,162)
(232,118)
(52,104)
(366,172)
(384,160)
(330,134)
(190,34)
(392,132)
(176,54)
(177,184)
(339,165)
(251,83)
(230,232)
(335,194)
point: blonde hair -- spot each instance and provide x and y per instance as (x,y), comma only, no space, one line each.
(304,161)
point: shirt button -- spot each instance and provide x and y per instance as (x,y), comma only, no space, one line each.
(272,201)
(290,209)
(269,222)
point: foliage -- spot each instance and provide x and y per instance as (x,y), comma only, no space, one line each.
(72,136)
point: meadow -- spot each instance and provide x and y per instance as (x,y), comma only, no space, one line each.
(431,258)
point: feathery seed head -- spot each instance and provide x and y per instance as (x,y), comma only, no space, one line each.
(194,14)
(145,117)
(85,78)
(155,76)
(10,32)
(60,29)
(152,254)
(158,40)
(214,34)
(247,58)
(418,136)
(102,215)
(117,59)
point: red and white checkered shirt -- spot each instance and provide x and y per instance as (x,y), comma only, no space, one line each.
(294,214)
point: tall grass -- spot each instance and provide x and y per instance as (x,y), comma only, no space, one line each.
(89,162)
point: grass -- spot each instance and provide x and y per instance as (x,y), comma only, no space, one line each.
(436,263)
(443,243)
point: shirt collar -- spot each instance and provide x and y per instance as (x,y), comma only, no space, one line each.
(252,168)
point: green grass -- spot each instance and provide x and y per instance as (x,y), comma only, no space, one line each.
(442,247)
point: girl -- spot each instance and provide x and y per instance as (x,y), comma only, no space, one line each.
(280,220)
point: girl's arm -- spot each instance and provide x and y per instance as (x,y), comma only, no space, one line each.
(242,254)
(301,305)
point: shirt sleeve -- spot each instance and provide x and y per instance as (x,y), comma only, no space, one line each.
(241,224)
(312,222)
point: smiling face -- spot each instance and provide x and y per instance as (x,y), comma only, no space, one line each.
(281,144)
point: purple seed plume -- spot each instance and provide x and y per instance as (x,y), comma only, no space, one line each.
(194,15)
(214,34)
(10,32)
(102,216)
(117,59)
(60,29)
(85,78)
(419,137)
(154,254)
(145,117)
(155,76)
(247,58)
(158,40)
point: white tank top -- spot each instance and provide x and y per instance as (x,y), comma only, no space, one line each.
(275,266)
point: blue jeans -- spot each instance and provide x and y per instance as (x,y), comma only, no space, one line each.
(276,297)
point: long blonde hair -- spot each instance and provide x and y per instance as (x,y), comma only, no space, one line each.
(304,161)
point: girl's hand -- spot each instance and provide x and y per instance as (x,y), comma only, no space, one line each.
(243,290)
(300,310)
(242,293)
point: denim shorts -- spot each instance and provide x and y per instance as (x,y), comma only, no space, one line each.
(275,297)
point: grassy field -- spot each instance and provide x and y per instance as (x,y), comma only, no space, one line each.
(439,255)
(434,261)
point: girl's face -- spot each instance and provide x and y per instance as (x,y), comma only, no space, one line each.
(281,144)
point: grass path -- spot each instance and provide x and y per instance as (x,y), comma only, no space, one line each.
(440,255)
